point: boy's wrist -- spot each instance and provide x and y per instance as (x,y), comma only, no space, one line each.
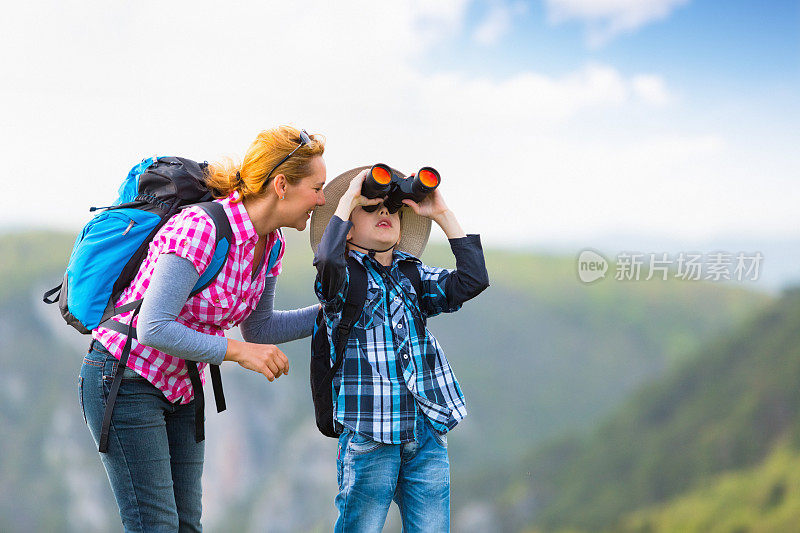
(442,217)
(449,223)
(345,207)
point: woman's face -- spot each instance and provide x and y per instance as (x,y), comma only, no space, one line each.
(301,199)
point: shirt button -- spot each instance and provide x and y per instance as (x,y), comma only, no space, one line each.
(405,356)
(399,326)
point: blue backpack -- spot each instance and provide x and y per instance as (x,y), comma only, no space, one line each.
(110,249)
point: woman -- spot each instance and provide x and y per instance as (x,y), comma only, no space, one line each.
(153,462)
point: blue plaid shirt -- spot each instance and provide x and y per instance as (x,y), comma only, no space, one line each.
(391,366)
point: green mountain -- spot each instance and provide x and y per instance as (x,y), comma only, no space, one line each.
(31,257)
(731,411)
(537,354)
(762,498)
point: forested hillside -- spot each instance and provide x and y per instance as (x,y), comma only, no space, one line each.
(716,442)
(537,354)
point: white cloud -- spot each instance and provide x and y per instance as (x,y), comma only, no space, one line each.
(528,158)
(651,89)
(497,23)
(606,19)
(534,98)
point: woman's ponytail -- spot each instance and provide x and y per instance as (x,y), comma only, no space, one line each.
(248,178)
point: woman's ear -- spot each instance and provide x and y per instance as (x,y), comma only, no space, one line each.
(279,184)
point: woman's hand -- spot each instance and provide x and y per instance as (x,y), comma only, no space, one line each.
(352,197)
(433,207)
(265,359)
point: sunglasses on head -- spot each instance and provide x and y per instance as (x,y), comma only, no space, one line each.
(304,140)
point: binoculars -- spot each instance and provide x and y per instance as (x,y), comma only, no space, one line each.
(383,182)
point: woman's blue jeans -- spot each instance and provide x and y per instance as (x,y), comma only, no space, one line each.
(416,475)
(153,462)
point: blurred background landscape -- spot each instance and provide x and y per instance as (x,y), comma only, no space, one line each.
(636,126)
(638,406)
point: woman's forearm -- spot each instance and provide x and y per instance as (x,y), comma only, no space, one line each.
(172,282)
(267,326)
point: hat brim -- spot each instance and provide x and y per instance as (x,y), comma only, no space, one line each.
(414,229)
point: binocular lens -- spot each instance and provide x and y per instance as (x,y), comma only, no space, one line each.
(381,175)
(428,178)
(394,188)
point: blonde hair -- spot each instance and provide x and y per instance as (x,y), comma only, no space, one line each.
(272,145)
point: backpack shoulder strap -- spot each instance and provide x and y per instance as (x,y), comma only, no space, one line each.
(353,304)
(224,237)
(274,252)
(356,293)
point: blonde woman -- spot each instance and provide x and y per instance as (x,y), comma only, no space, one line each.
(153,462)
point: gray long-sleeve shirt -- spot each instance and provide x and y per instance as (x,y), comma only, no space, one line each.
(172,281)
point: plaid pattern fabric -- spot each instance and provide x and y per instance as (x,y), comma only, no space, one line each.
(390,365)
(223,304)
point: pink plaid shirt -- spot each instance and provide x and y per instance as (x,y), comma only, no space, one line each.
(223,304)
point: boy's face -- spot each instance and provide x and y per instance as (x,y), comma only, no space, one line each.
(377,230)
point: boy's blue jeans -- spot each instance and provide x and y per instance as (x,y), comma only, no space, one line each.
(416,475)
(153,463)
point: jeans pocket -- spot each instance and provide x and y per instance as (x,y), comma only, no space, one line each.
(111,367)
(440,438)
(359,444)
(80,398)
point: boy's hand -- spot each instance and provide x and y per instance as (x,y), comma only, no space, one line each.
(433,207)
(352,197)
(430,207)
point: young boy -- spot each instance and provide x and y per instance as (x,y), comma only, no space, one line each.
(395,396)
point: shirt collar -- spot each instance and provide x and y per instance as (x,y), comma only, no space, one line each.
(397,255)
(241,224)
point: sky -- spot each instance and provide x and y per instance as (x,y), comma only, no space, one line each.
(550,121)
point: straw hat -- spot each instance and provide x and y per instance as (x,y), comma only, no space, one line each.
(414,229)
